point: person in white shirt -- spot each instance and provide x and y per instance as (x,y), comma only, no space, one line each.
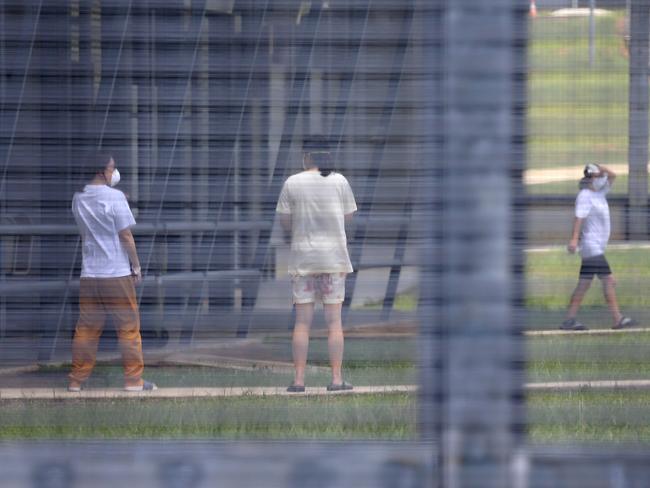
(109,271)
(313,208)
(591,229)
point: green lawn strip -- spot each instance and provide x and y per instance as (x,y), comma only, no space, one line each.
(563,43)
(385,416)
(362,352)
(404,302)
(551,277)
(576,112)
(551,123)
(588,358)
(589,416)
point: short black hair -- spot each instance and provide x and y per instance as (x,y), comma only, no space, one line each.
(88,165)
(93,163)
(319,149)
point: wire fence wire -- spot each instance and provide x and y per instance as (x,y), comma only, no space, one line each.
(462,127)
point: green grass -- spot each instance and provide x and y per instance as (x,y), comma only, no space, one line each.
(363,353)
(550,278)
(366,374)
(386,416)
(576,112)
(552,275)
(587,358)
(589,416)
(562,417)
(404,302)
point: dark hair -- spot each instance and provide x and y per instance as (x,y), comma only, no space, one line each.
(319,151)
(95,162)
(90,164)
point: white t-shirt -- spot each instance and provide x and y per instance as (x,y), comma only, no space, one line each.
(317,206)
(592,206)
(101,212)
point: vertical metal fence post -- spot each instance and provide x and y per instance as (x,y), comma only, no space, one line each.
(474,304)
(638,120)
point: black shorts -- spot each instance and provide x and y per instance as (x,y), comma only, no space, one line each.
(596,265)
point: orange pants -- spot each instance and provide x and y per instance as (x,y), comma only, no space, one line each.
(115,297)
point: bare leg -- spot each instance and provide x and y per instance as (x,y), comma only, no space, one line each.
(300,342)
(335,340)
(609,290)
(577,297)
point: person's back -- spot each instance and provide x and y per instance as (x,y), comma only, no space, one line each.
(313,206)
(101,212)
(318,205)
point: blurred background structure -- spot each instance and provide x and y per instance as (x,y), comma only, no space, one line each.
(204,105)
(462,126)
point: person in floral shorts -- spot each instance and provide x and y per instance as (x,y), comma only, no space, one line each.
(313,208)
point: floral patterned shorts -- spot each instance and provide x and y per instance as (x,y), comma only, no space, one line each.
(326,287)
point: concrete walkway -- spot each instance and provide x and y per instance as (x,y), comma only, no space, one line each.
(580,385)
(233,392)
(536,333)
(195,392)
(542,176)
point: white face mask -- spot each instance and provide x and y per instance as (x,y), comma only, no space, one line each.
(599,183)
(115,177)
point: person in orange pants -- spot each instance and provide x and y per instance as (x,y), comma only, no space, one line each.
(110,270)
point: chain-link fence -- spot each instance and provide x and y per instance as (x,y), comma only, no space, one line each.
(463,129)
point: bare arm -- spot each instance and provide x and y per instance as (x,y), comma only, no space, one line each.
(611,176)
(348,218)
(575,235)
(128,242)
(285,222)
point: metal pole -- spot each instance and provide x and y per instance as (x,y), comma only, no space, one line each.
(592,33)
(475,320)
(638,120)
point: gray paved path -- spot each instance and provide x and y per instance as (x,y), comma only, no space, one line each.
(194,392)
(205,392)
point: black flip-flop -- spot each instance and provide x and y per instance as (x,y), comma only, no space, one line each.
(341,387)
(292,388)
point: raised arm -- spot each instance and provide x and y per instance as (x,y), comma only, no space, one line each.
(611,176)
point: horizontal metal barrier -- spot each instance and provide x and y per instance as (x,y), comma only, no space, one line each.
(139,229)
(162,228)
(22,287)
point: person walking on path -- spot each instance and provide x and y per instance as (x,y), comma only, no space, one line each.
(591,229)
(110,270)
(313,208)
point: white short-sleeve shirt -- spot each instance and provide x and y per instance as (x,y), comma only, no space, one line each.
(592,206)
(317,206)
(101,212)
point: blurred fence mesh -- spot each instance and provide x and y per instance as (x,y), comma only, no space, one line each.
(462,128)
